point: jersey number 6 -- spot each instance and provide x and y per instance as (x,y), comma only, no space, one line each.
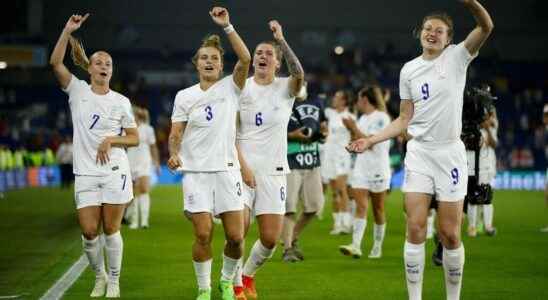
(259,119)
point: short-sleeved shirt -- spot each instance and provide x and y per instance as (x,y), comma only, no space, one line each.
(95,117)
(339,136)
(309,114)
(141,154)
(375,161)
(262,135)
(436,88)
(209,139)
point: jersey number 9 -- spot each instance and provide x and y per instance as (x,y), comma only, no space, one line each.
(425,89)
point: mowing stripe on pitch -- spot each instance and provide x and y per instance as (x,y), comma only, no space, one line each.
(65,282)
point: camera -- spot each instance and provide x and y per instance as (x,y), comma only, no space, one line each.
(478,104)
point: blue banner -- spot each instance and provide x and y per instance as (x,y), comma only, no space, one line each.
(51,176)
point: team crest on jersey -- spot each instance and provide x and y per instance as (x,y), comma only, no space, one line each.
(309,111)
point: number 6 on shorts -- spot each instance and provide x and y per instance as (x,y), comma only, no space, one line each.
(455,175)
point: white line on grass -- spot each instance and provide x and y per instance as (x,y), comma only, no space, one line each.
(65,282)
(13,296)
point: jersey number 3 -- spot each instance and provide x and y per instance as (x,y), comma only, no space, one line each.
(209,113)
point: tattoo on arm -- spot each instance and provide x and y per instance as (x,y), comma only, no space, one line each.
(174,143)
(293,63)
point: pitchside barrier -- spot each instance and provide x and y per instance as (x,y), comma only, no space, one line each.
(50,176)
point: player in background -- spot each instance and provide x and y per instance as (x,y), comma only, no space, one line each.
(371,174)
(103,181)
(202,144)
(487,172)
(431,89)
(141,160)
(265,108)
(304,183)
(337,160)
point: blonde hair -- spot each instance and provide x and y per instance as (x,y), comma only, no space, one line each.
(78,53)
(213,41)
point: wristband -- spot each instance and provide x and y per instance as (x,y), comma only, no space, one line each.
(229,29)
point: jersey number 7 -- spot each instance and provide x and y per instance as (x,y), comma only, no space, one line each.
(95,118)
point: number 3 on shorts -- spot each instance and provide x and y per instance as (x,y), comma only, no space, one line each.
(238,188)
(455,175)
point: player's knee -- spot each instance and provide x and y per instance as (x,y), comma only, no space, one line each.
(268,242)
(378,212)
(235,241)
(450,237)
(203,237)
(90,233)
(111,228)
(361,210)
(416,229)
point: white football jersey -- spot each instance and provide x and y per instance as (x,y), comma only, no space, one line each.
(95,117)
(436,88)
(209,139)
(141,155)
(262,135)
(375,162)
(487,156)
(338,137)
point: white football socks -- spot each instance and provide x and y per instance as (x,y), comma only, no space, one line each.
(413,256)
(488,216)
(203,274)
(453,266)
(358,231)
(144,208)
(230,266)
(114,246)
(259,254)
(378,233)
(94,252)
(472,215)
(239,271)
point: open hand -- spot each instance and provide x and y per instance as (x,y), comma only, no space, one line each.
(359,145)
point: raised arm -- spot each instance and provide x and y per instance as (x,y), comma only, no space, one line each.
(397,127)
(58,55)
(293,64)
(484,26)
(241,69)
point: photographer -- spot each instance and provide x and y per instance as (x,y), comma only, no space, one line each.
(304,134)
(480,137)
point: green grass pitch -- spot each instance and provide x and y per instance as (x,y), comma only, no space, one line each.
(40,240)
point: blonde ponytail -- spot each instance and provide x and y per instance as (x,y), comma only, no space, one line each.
(78,53)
